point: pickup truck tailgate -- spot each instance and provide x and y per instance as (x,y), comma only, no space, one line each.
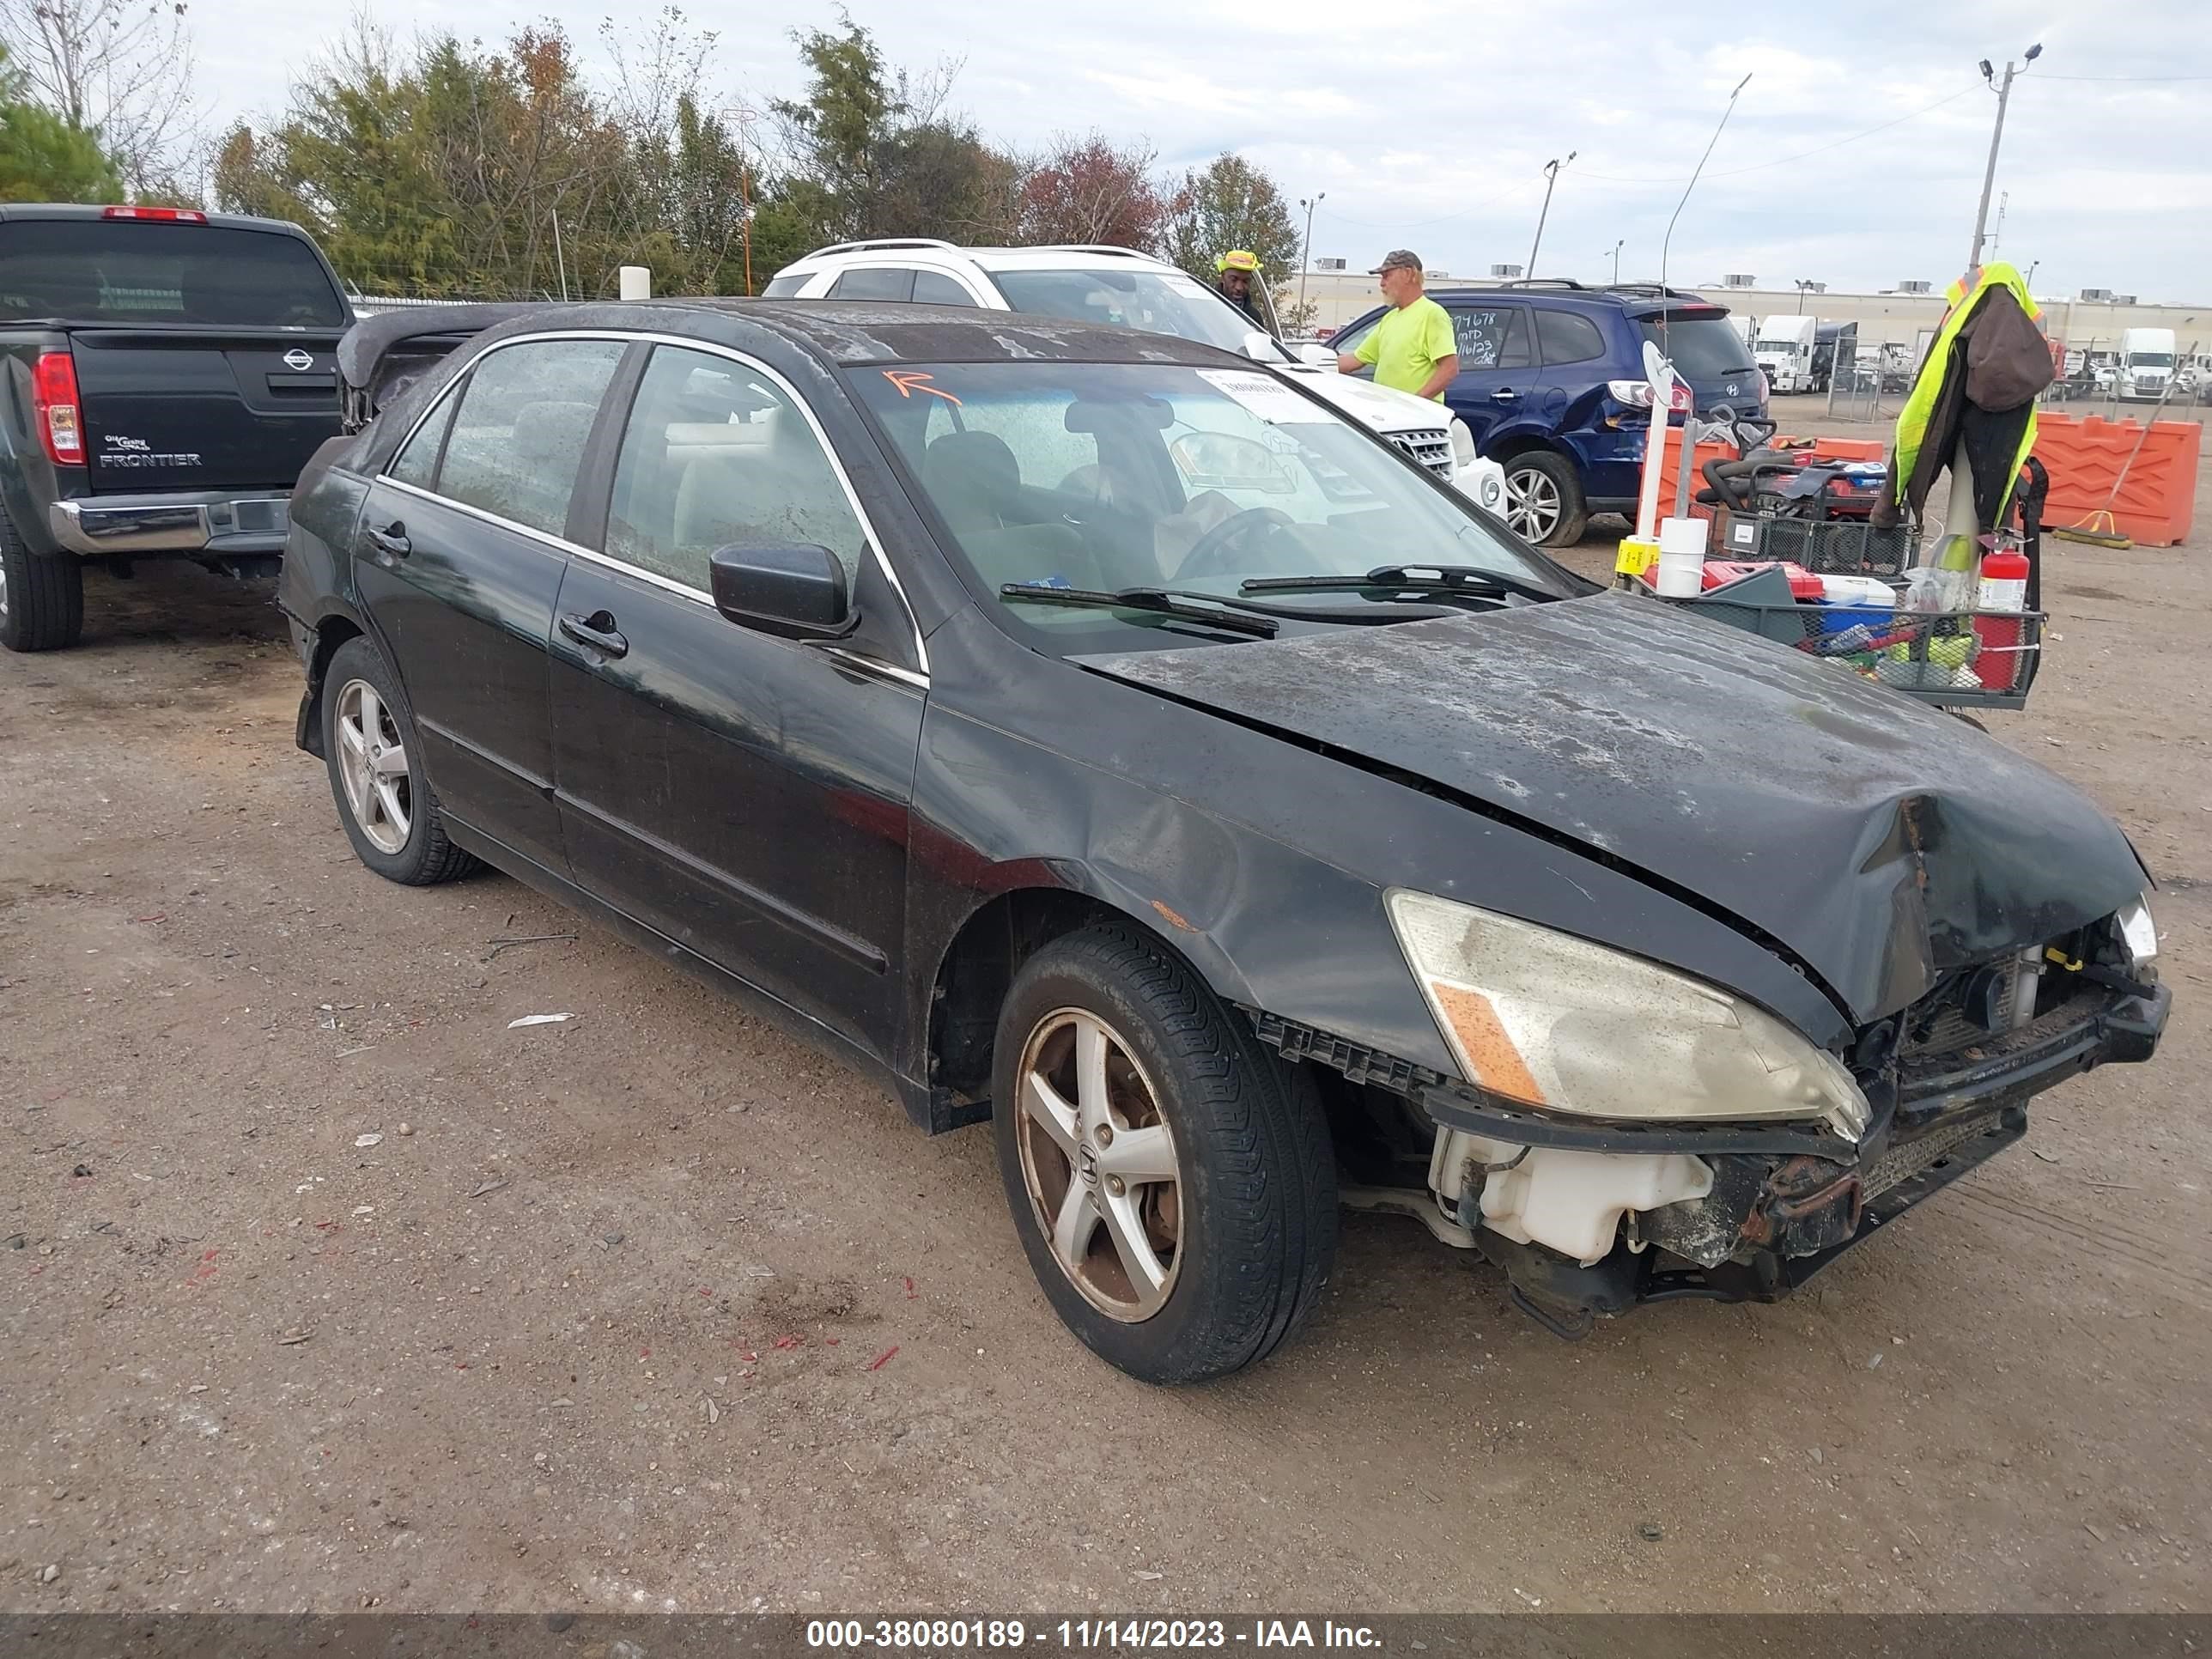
(180,408)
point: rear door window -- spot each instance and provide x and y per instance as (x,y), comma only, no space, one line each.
(875,282)
(121,270)
(1565,336)
(783,287)
(518,436)
(934,288)
(1491,337)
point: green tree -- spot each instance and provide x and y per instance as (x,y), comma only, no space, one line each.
(45,158)
(1230,204)
(872,152)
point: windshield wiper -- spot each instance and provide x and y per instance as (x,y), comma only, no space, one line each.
(1155,600)
(1405,579)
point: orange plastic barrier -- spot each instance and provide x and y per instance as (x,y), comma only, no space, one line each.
(1711,450)
(2084,454)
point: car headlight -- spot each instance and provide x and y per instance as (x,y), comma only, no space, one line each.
(1552,1021)
(1463,443)
(2138,934)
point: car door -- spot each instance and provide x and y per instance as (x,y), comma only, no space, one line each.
(744,795)
(457,561)
(1498,376)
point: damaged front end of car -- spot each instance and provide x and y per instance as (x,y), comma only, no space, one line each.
(1588,1214)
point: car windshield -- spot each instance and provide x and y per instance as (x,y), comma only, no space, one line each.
(2151,359)
(1157,301)
(1700,348)
(1101,477)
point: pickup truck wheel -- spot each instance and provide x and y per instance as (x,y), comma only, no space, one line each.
(386,804)
(41,599)
(1174,1194)
(1544,500)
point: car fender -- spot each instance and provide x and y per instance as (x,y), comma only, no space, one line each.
(1276,896)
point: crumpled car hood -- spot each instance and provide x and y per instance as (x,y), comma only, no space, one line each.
(1879,842)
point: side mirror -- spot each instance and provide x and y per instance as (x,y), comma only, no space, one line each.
(1260,347)
(1319,356)
(793,589)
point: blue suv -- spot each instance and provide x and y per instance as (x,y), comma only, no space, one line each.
(1551,387)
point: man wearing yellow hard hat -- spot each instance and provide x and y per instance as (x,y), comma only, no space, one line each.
(1236,274)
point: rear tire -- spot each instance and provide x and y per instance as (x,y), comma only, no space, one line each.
(1544,500)
(1196,1144)
(374,755)
(41,596)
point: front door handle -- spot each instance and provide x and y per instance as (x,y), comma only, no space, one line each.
(1505,394)
(596,632)
(391,540)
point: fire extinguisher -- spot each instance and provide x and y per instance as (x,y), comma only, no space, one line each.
(2003,587)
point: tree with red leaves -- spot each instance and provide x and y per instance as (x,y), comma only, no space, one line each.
(1090,189)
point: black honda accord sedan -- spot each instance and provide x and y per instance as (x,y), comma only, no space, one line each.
(1087,732)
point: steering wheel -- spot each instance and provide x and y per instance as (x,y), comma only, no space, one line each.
(1214,547)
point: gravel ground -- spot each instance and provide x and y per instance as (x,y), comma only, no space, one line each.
(329,1290)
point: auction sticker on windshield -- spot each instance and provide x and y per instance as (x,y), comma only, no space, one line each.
(1269,399)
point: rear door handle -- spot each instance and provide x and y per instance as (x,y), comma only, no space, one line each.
(1505,394)
(391,540)
(596,632)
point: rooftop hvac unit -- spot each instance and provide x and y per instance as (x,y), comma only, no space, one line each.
(1741,279)
(1505,270)
(2098,295)
(1328,265)
(2124,298)
(1912,287)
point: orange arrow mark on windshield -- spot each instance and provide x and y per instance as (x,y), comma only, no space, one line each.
(910,381)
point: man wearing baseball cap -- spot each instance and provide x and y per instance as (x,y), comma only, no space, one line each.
(1413,348)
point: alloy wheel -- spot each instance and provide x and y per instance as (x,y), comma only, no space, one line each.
(1099,1161)
(4,588)
(1532,504)
(372,764)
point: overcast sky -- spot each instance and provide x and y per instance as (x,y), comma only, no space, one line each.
(1430,129)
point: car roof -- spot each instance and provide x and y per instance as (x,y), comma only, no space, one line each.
(1089,256)
(1637,298)
(82,211)
(851,332)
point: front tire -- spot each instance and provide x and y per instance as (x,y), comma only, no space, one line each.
(374,756)
(41,597)
(1175,1193)
(1544,500)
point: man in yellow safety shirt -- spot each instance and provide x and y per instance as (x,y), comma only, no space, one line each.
(1413,348)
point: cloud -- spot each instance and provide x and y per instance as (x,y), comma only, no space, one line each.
(1427,125)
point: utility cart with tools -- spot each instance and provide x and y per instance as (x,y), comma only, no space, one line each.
(1804,567)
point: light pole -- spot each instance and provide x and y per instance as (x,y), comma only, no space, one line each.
(1617,246)
(1305,255)
(1996,137)
(1551,178)
(1804,286)
(744,118)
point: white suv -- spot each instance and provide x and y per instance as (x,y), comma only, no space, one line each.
(1128,290)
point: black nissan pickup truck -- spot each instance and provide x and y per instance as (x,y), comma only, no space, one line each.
(169,374)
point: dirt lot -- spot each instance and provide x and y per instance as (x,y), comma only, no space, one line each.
(600,1323)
